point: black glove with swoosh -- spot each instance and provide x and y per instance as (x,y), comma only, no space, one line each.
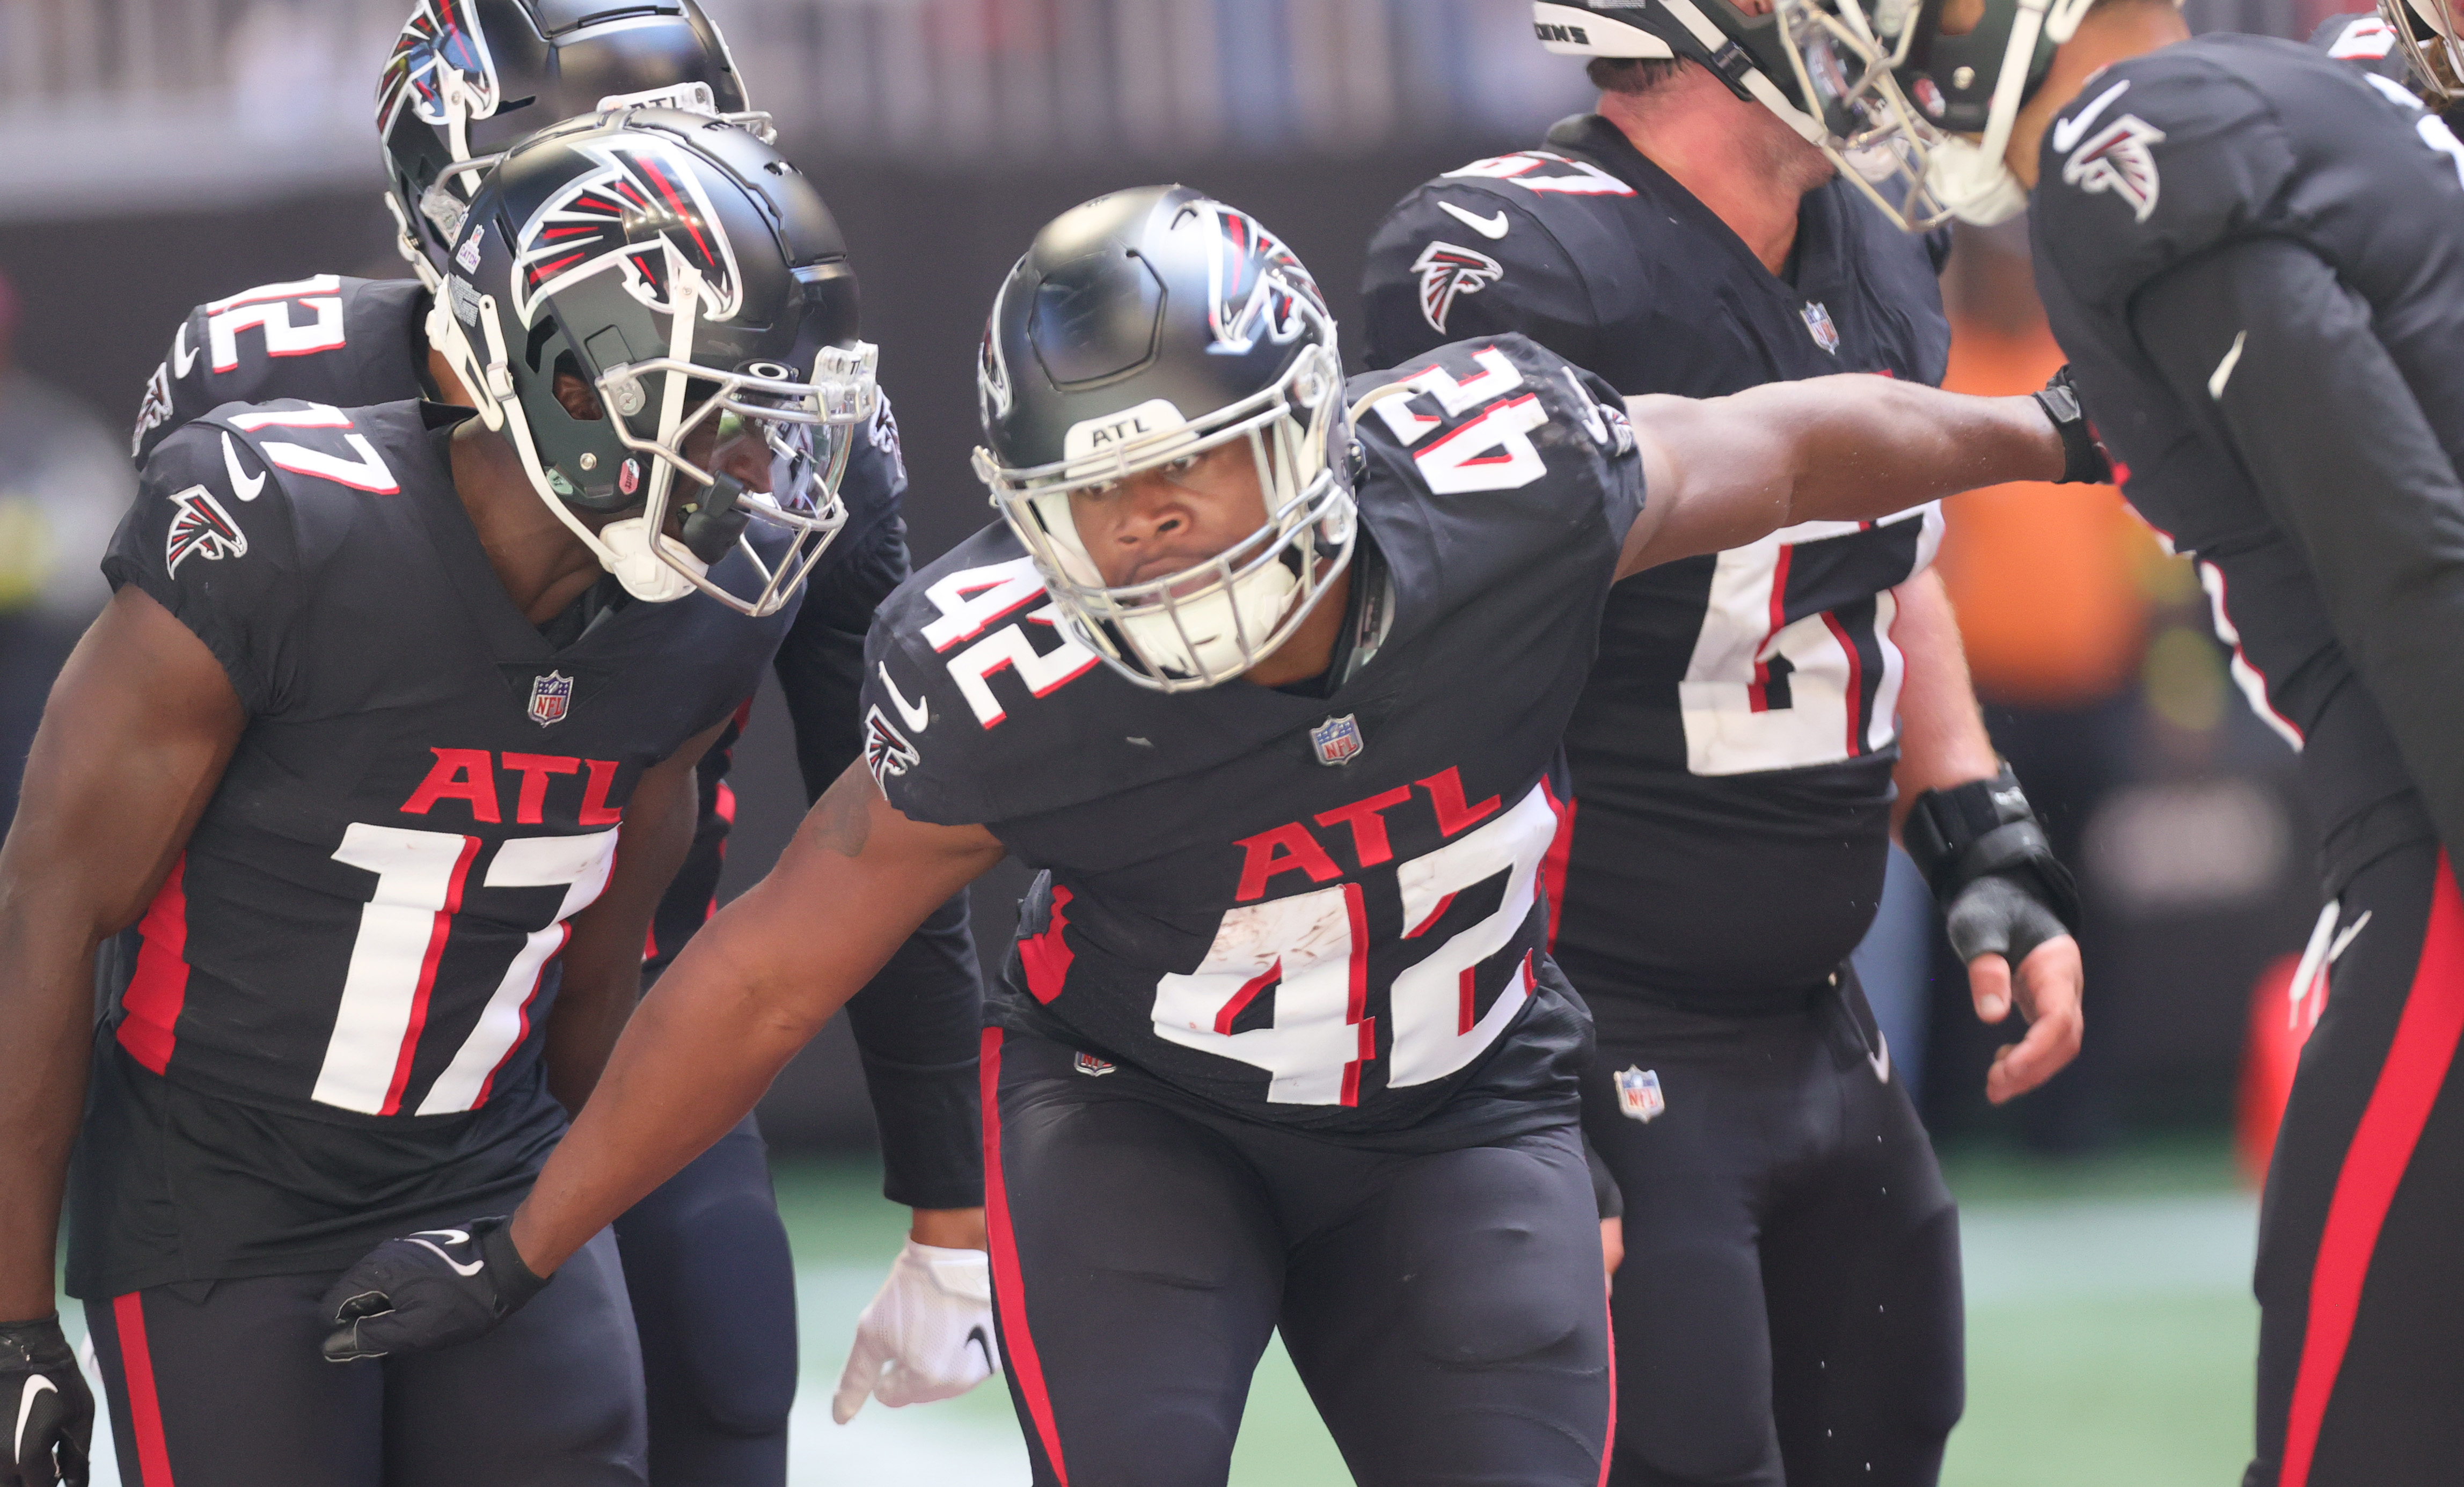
(427,1290)
(45,1406)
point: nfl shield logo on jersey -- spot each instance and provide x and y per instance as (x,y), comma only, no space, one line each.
(1093,1067)
(1818,319)
(1336,740)
(551,697)
(1638,1093)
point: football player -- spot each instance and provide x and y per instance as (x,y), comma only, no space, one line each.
(385,747)
(465,80)
(2255,258)
(1792,1309)
(1266,673)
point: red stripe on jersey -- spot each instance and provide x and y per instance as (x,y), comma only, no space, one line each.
(2408,1085)
(1357,1009)
(564,936)
(1856,697)
(1553,865)
(725,805)
(1009,1293)
(1468,986)
(1247,994)
(145,1405)
(1046,958)
(436,938)
(150,1007)
(1757,693)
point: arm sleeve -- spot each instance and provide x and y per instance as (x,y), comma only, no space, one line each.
(2277,359)
(227,563)
(1432,278)
(918,1022)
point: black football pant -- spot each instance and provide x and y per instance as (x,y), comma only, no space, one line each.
(1789,1309)
(220,1383)
(1444,1308)
(2361,1250)
(714,1295)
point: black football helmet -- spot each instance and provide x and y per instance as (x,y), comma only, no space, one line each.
(1828,68)
(692,278)
(1147,327)
(469,77)
(1972,86)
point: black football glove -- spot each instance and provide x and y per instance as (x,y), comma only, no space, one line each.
(427,1290)
(45,1407)
(2002,890)
(2084,461)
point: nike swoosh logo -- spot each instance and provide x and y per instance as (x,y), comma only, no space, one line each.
(2067,131)
(1882,1061)
(452,1237)
(919,715)
(2224,371)
(183,354)
(975,1335)
(39,1384)
(1491,227)
(244,486)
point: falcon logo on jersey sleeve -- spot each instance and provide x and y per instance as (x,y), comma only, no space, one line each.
(639,215)
(1256,285)
(1446,271)
(2116,158)
(201,529)
(885,750)
(154,410)
(437,43)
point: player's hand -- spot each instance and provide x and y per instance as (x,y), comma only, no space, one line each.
(427,1290)
(1995,921)
(928,1335)
(45,1407)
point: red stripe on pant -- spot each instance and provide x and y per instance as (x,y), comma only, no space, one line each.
(144,1407)
(1608,1451)
(1007,1293)
(2374,1166)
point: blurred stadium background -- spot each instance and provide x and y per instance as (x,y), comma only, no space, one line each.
(164,152)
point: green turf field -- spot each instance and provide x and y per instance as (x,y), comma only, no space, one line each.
(2109,1338)
(2110,1334)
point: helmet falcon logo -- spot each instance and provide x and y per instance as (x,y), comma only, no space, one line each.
(1447,271)
(885,750)
(1255,284)
(201,529)
(439,41)
(2117,159)
(641,214)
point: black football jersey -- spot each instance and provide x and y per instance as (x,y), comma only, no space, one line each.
(367,916)
(2364,39)
(1733,747)
(1321,911)
(2229,140)
(351,342)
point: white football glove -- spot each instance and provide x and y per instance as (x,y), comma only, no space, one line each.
(928,1334)
(1975,185)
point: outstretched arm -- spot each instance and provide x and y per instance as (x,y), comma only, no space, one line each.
(754,987)
(2282,365)
(1725,471)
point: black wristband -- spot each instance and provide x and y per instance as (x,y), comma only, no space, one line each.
(1983,827)
(514,1280)
(2084,458)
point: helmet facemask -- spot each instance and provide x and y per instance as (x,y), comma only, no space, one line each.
(650,410)
(1221,618)
(2426,29)
(1846,58)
